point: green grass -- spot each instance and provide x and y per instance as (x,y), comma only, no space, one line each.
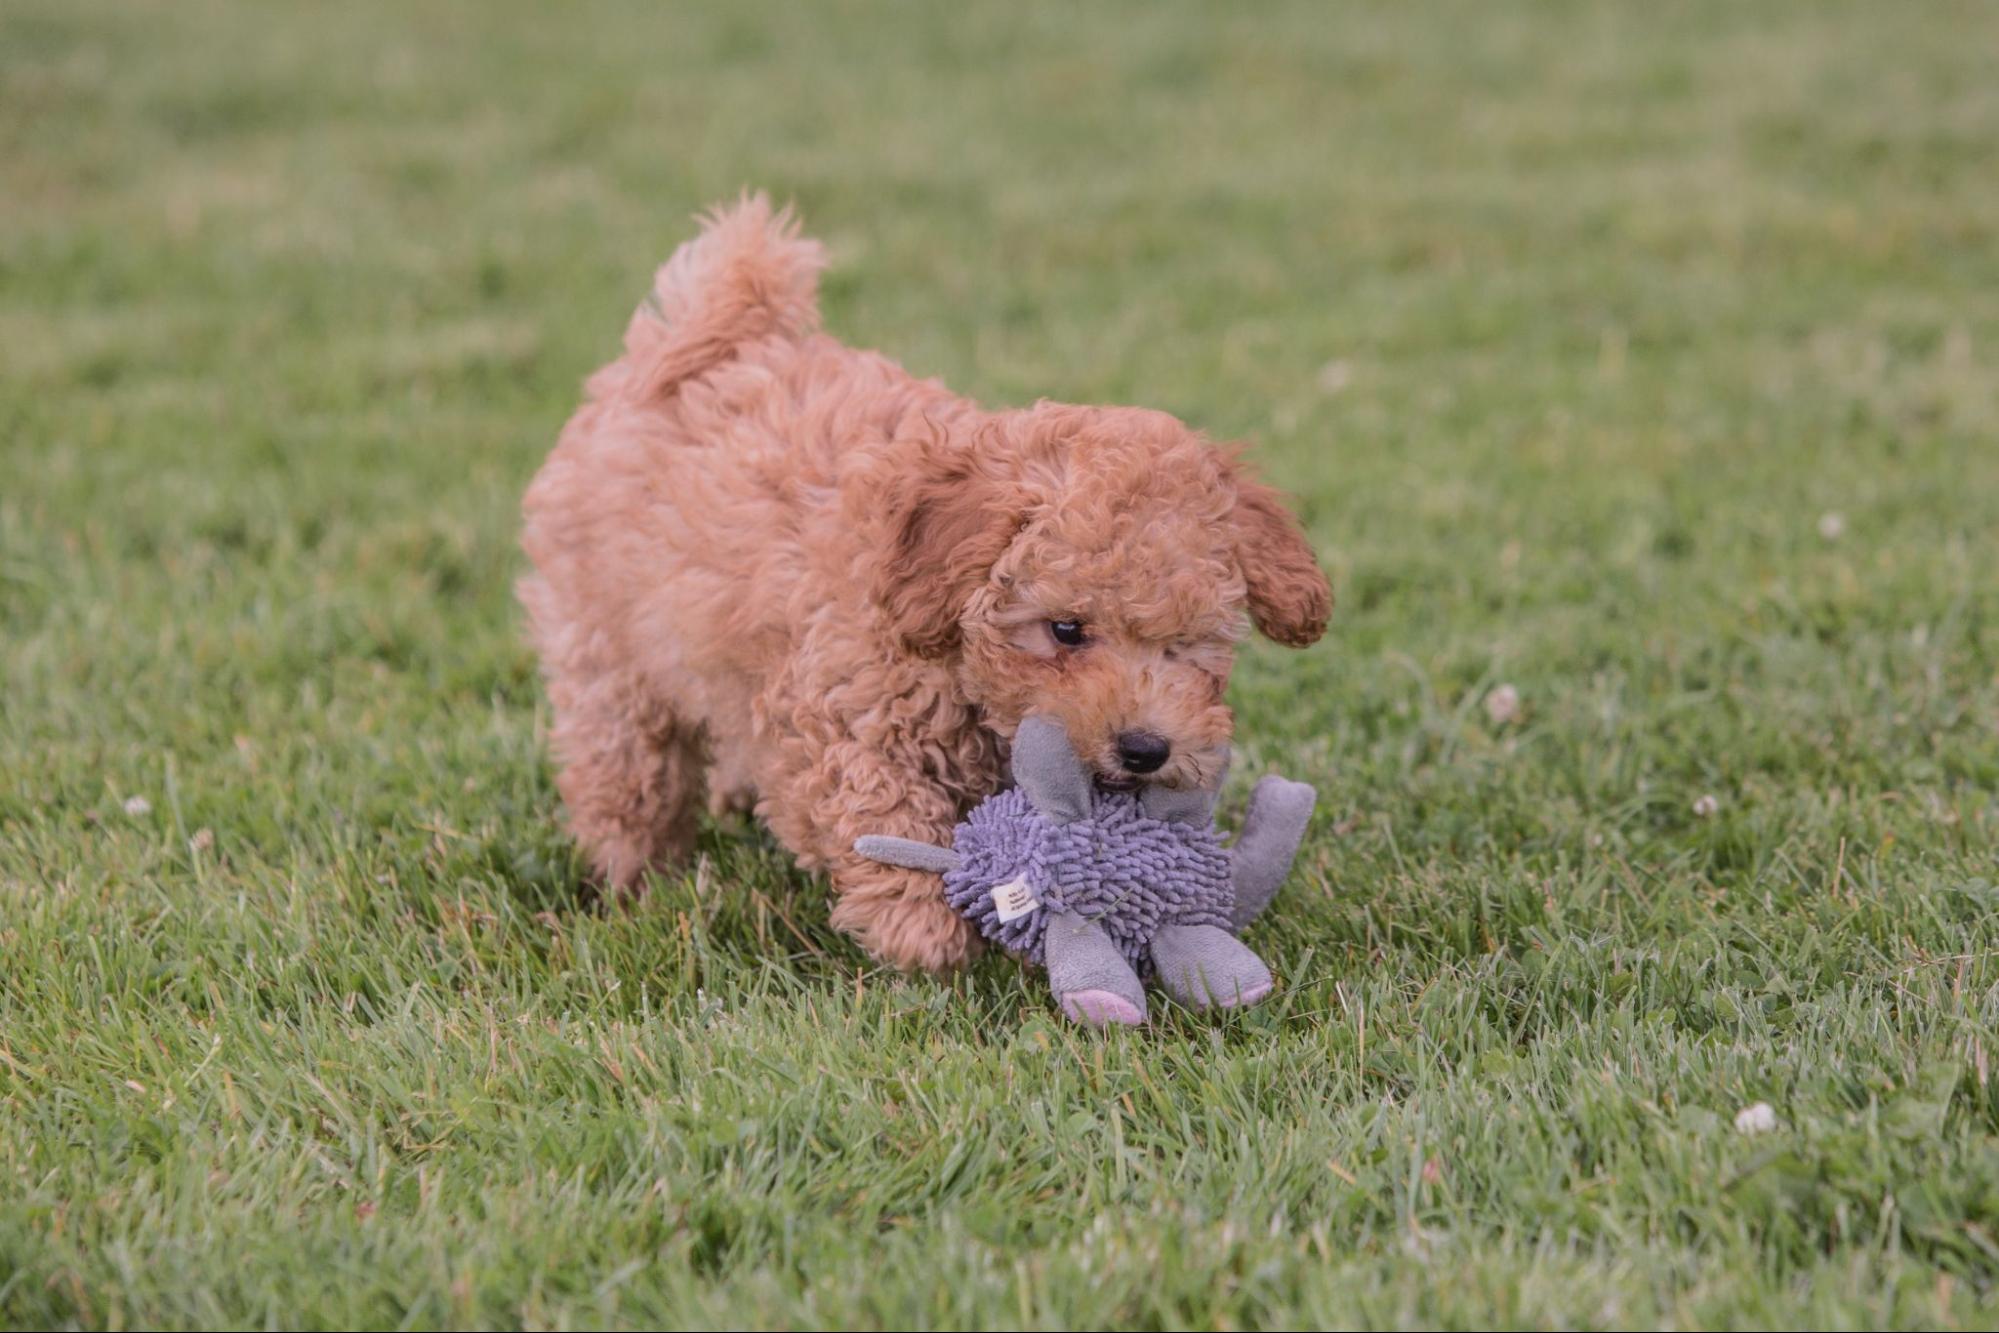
(1646,362)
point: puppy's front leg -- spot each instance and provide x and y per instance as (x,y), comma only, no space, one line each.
(900,916)
(849,788)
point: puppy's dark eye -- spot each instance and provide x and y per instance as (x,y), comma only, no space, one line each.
(1068,633)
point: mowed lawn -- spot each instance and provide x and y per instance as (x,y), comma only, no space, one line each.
(1644,363)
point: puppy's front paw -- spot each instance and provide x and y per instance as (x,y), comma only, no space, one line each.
(900,917)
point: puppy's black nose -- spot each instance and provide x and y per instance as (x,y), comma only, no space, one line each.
(1141,751)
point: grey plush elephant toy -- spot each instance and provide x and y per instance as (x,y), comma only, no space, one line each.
(1107,888)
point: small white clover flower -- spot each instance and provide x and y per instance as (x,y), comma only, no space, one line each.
(1755,1118)
(1502,705)
(1832,525)
(1706,806)
(136,806)
(1334,376)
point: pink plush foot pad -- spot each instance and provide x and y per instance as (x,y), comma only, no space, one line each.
(1244,999)
(1100,1008)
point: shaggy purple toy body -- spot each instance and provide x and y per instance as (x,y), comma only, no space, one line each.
(1106,889)
(1128,873)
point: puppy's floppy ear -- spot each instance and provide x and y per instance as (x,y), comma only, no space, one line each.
(1289,598)
(950,520)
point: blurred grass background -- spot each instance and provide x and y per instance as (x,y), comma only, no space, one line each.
(1641,361)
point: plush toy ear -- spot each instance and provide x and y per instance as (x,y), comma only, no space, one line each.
(950,520)
(1186,805)
(1046,769)
(1289,597)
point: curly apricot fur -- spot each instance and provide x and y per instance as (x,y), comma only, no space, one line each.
(772,569)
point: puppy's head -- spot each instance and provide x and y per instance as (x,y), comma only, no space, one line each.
(1098,565)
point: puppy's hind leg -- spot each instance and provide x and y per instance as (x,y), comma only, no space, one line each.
(633,777)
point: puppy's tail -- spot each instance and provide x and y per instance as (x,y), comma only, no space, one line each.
(748,275)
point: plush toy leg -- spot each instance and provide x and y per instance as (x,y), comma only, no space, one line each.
(1089,976)
(1203,966)
(1279,810)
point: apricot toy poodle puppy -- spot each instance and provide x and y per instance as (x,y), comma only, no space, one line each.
(772,572)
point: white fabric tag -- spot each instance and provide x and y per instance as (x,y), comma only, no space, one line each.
(1014,900)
